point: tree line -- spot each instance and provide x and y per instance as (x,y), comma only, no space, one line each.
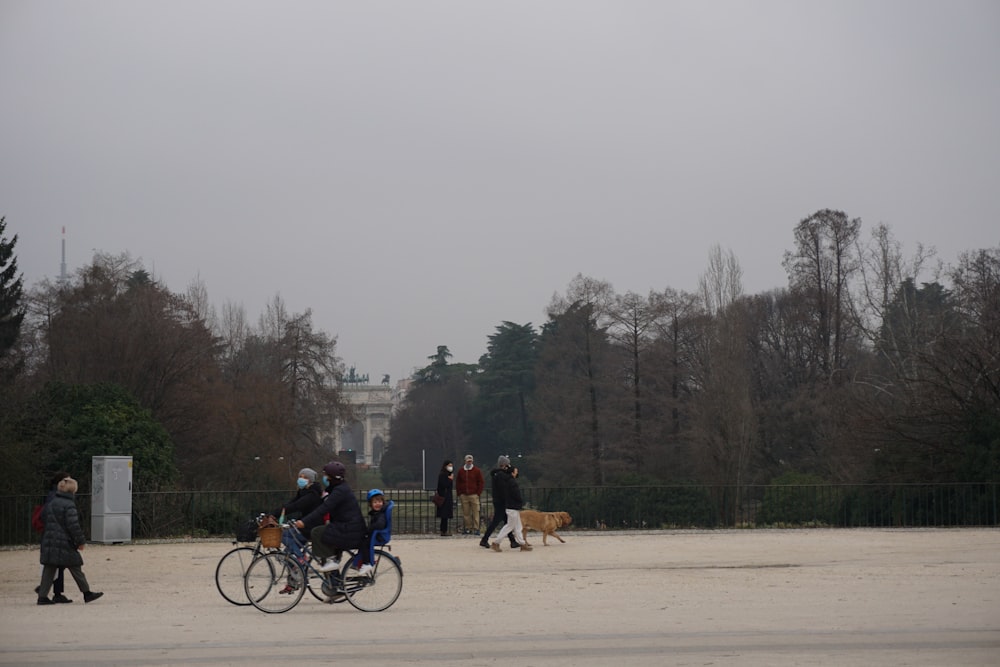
(869,365)
(111,362)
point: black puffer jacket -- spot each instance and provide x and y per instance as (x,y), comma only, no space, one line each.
(346,529)
(305,501)
(511,491)
(63,532)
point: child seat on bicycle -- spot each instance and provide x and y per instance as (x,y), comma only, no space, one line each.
(379,529)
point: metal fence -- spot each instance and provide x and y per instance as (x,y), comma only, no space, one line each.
(218,513)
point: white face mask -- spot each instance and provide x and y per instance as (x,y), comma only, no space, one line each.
(449,468)
(468,466)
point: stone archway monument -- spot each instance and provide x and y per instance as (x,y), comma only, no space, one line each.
(368,433)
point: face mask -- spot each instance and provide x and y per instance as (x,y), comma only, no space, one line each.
(326,481)
(468,466)
(449,468)
(302,482)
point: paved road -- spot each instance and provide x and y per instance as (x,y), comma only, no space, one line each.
(811,597)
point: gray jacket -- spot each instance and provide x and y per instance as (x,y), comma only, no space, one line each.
(63,532)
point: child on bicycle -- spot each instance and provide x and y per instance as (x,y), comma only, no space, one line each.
(377,520)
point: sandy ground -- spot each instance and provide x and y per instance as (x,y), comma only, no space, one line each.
(797,597)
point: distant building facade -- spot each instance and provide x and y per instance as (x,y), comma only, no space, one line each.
(367,436)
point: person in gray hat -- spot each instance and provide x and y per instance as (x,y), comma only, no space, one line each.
(499,508)
(308,497)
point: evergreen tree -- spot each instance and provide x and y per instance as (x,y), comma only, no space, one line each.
(11,293)
(501,424)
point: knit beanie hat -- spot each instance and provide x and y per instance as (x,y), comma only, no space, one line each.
(309,474)
(503,461)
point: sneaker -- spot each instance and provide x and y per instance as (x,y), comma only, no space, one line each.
(366,570)
(329,565)
(45,601)
(90,596)
(525,547)
(61,599)
(495,547)
(287,590)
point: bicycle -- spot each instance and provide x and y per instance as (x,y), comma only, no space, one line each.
(375,591)
(233,566)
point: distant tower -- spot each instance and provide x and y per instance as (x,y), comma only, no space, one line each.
(62,267)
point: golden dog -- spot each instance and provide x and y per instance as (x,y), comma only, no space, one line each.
(544,522)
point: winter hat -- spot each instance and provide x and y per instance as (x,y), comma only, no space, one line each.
(309,473)
(468,457)
(503,461)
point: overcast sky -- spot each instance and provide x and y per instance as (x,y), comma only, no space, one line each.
(417,172)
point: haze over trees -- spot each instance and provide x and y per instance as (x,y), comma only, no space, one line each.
(868,366)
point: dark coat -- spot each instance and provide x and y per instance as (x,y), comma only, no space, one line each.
(446,511)
(63,532)
(376,521)
(511,491)
(305,501)
(346,529)
(496,481)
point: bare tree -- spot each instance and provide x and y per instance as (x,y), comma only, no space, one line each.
(821,268)
(722,283)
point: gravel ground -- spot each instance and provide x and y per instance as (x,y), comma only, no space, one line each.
(761,597)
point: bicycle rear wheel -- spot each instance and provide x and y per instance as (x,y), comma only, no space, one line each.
(275,583)
(229,574)
(380,589)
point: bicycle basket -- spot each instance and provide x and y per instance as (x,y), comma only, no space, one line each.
(270,538)
(247,532)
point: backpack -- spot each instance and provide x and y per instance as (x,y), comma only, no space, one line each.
(37,522)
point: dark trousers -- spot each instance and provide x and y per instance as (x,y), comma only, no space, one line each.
(58,584)
(49,574)
(499,518)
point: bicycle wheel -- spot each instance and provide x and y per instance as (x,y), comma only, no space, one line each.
(229,574)
(380,589)
(275,583)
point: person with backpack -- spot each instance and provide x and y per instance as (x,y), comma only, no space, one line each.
(62,542)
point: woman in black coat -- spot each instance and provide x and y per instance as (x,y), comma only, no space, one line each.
(445,483)
(59,583)
(62,542)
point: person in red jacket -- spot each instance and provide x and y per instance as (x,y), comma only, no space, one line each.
(469,485)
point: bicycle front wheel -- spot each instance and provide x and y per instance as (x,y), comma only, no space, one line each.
(378,590)
(229,574)
(275,583)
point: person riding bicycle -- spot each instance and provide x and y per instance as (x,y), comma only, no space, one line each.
(307,498)
(377,520)
(346,527)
